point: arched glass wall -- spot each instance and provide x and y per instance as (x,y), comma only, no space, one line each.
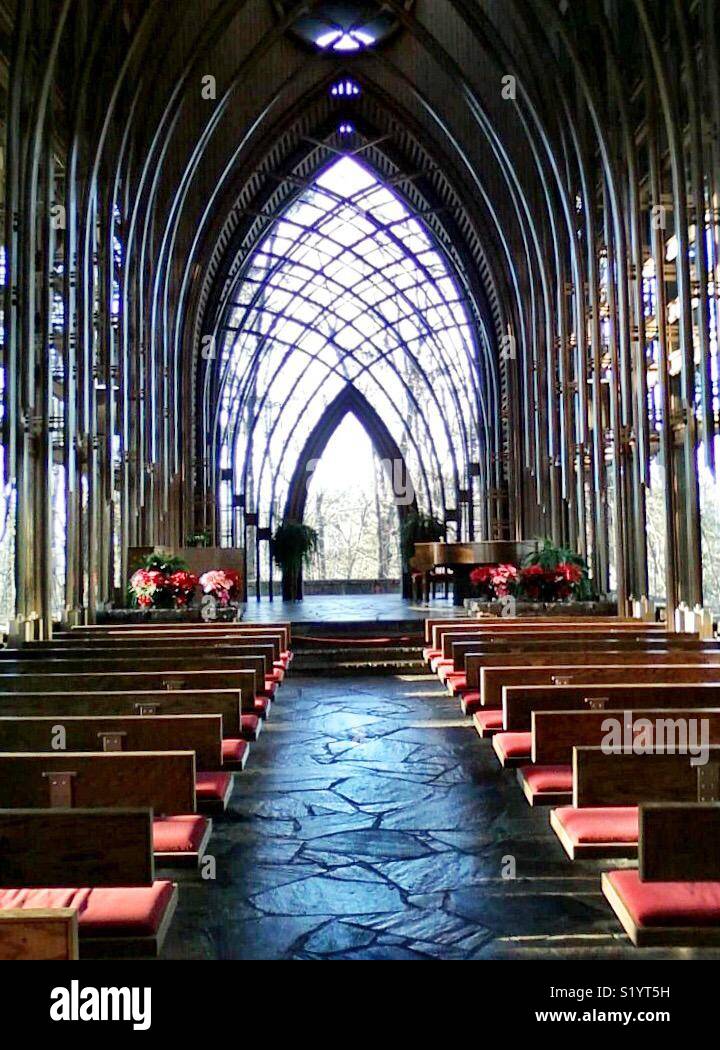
(348,288)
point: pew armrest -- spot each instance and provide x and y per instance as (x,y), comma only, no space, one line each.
(43,934)
(76,847)
(679,842)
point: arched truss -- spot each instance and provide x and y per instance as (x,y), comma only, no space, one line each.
(389,143)
(607,121)
(428,326)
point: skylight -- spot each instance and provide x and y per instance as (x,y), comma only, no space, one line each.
(337,40)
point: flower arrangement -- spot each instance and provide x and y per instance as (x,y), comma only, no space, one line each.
(151,588)
(182,584)
(552,574)
(146,587)
(550,585)
(222,584)
(495,581)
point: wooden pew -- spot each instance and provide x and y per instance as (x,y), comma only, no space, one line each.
(556,733)
(448,636)
(520,703)
(608,788)
(225,703)
(257,660)
(243,636)
(161,781)
(615,670)
(109,852)
(457,647)
(241,683)
(145,657)
(190,732)
(201,734)
(39,934)
(543,653)
(490,623)
(138,643)
(468,686)
(199,629)
(196,655)
(513,746)
(674,897)
(459,671)
(445,635)
(547,781)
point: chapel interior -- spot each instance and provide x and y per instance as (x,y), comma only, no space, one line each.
(360,479)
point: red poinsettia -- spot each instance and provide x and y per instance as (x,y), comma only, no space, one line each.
(182,584)
(223,584)
(504,580)
(482,575)
(570,572)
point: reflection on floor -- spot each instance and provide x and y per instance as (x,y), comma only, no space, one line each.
(346,608)
(373,824)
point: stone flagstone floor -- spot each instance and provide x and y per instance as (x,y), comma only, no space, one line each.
(373,823)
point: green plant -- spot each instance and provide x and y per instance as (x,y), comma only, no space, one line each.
(292,545)
(199,539)
(160,582)
(166,565)
(549,557)
(419,528)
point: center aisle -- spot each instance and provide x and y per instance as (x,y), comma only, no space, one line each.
(374,824)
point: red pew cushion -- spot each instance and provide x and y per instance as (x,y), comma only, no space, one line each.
(668,903)
(457,683)
(514,745)
(470,701)
(600,823)
(270,687)
(431,654)
(43,898)
(212,786)
(116,911)
(137,909)
(277,675)
(234,750)
(181,834)
(250,725)
(491,719)
(287,654)
(548,778)
(445,669)
(262,706)
(438,663)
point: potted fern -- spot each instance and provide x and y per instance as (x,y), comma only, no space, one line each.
(555,574)
(291,548)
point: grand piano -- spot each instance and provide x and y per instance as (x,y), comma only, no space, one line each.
(462,558)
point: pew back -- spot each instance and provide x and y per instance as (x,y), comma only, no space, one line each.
(494,679)
(199,733)
(258,661)
(627,779)
(224,703)
(133,682)
(555,733)
(162,781)
(521,703)
(679,842)
(76,847)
